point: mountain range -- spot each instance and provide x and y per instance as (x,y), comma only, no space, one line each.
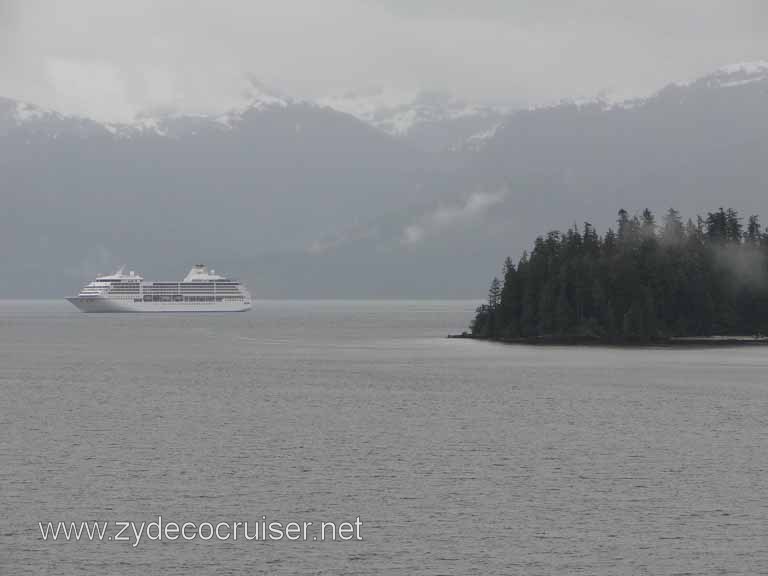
(361,196)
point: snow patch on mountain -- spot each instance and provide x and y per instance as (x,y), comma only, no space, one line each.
(140,126)
(259,96)
(735,75)
(256,96)
(371,105)
(398,113)
(730,76)
(750,68)
(478,140)
(25,112)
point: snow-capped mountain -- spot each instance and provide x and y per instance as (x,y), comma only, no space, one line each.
(256,98)
(428,120)
(431,120)
(750,77)
(398,113)
(273,174)
(307,200)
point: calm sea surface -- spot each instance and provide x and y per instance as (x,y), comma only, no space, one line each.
(459,457)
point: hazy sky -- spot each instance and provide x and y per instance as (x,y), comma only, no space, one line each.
(111,58)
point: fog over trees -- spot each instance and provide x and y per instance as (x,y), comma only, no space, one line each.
(642,281)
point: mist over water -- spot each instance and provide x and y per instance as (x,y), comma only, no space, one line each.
(460,457)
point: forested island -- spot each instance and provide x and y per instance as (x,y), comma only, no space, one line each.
(647,281)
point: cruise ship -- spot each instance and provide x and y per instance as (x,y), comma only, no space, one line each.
(200,291)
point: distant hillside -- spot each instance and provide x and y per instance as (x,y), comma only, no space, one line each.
(690,145)
(302,200)
(79,197)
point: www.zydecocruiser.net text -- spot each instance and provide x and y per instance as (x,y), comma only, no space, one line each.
(134,533)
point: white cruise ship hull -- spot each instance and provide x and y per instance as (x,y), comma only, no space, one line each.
(200,291)
(102,304)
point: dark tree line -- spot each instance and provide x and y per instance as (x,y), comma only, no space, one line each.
(646,280)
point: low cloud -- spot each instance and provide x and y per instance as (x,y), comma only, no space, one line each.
(354,233)
(511,51)
(472,210)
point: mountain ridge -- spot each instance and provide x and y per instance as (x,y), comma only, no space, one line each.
(399,115)
(302,200)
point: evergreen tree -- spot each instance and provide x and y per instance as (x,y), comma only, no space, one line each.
(563,311)
(648,226)
(733,228)
(623,223)
(753,235)
(640,283)
(494,294)
(673,230)
(509,301)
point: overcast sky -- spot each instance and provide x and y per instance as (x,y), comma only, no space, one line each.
(112,58)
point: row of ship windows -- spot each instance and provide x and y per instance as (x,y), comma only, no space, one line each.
(194,288)
(207,285)
(222,289)
(136,281)
(172,295)
(217,293)
(187,284)
(208,289)
(191,299)
(135,285)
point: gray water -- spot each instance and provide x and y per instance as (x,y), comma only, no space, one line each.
(459,457)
